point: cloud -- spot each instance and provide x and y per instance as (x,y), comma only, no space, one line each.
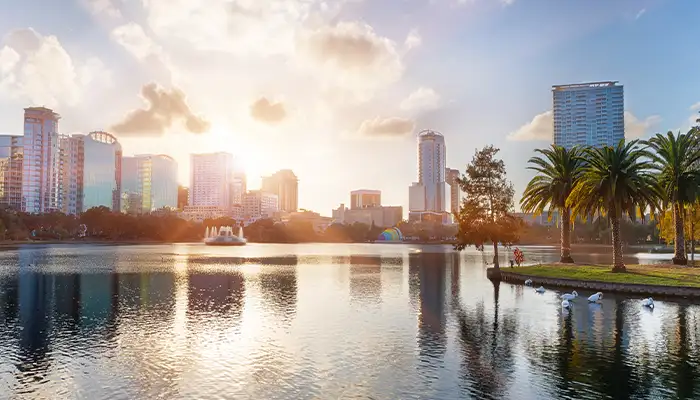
(422,99)
(165,109)
(134,39)
(393,126)
(640,13)
(540,128)
(636,128)
(103,7)
(413,40)
(37,68)
(264,110)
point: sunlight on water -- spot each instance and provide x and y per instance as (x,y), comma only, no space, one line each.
(324,321)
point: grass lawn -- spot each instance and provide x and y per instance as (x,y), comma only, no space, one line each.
(664,275)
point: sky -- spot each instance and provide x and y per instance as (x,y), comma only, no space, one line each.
(337,90)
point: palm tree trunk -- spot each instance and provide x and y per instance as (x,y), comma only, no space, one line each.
(565,244)
(495,255)
(618,262)
(679,257)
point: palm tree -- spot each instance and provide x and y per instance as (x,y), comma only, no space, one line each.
(675,159)
(558,171)
(615,181)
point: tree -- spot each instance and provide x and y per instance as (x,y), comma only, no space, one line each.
(558,171)
(616,181)
(675,160)
(691,222)
(485,215)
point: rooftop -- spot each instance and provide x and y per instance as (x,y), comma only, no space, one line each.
(585,85)
(429,132)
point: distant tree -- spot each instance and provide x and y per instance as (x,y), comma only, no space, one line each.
(485,215)
(558,171)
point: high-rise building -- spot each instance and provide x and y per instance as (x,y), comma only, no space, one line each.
(72,166)
(431,174)
(211,179)
(41,172)
(285,185)
(365,198)
(451,176)
(150,178)
(239,186)
(102,184)
(11,171)
(183,194)
(588,114)
(259,204)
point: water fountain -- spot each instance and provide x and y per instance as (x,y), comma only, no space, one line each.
(206,233)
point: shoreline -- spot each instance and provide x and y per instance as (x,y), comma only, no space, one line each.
(690,290)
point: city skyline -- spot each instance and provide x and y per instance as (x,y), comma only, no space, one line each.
(336,120)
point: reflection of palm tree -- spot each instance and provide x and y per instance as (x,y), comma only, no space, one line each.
(684,368)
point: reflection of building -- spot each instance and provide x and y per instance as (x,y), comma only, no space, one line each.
(428,194)
(279,289)
(103,176)
(588,114)
(11,171)
(72,170)
(41,179)
(154,178)
(366,279)
(427,282)
(211,177)
(219,293)
(365,199)
(285,185)
(382,217)
(451,176)
(258,204)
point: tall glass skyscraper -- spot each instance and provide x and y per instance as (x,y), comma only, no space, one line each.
(11,157)
(588,114)
(151,180)
(41,172)
(428,194)
(103,175)
(72,170)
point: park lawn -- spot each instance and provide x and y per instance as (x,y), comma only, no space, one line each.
(662,275)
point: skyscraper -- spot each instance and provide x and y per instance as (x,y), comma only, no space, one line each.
(365,198)
(150,179)
(103,176)
(41,172)
(285,185)
(451,176)
(428,194)
(588,114)
(72,166)
(211,180)
(11,171)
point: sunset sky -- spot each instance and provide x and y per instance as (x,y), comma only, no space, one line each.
(337,90)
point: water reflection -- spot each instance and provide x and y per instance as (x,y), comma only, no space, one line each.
(322,322)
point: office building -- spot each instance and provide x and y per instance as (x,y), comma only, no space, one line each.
(41,172)
(588,114)
(211,179)
(286,186)
(451,177)
(11,156)
(153,179)
(379,216)
(102,171)
(183,194)
(365,199)
(428,194)
(259,204)
(72,168)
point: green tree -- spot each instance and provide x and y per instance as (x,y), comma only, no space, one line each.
(616,181)
(676,160)
(486,212)
(558,171)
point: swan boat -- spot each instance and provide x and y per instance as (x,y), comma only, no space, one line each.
(225,238)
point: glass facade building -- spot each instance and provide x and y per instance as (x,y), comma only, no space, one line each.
(72,169)
(428,194)
(11,156)
(41,172)
(152,179)
(588,114)
(102,182)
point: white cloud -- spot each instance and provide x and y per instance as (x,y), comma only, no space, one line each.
(422,99)
(135,40)
(38,69)
(540,128)
(413,40)
(387,127)
(104,7)
(636,128)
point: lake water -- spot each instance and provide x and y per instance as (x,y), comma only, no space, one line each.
(323,321)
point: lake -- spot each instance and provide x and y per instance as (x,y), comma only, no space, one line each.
(324,321)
